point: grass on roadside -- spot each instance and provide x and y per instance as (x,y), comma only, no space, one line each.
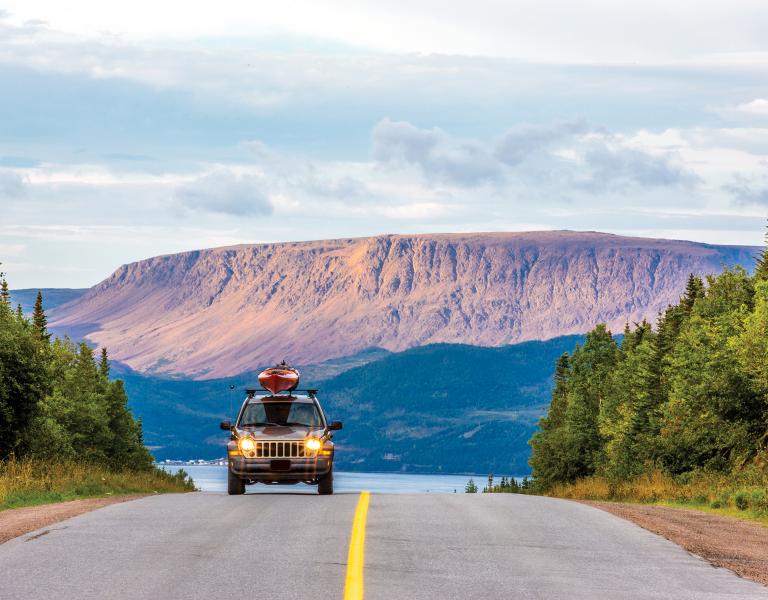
(28,482)
(743,495)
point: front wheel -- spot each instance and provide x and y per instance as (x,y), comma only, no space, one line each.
(235,485)
(325,485)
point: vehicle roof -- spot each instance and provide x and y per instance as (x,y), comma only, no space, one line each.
(304,399)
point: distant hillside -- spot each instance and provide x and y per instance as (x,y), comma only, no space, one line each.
(52,297)
(211,313)
(440,408)
(445,407)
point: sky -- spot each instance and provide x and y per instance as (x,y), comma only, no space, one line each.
(129,130)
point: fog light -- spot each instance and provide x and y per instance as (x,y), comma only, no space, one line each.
(313,444)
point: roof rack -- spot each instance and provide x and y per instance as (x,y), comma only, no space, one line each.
(253,391)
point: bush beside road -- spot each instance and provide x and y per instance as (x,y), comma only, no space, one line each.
(29,482)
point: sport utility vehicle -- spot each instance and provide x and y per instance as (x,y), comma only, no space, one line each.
(280,439)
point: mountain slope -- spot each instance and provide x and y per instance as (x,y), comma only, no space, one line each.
(444,407)
(211,313)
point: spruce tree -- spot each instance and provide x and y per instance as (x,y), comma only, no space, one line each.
(761,269)
(140,431)
(5,293)
(23,378)
(559,402)
(694,290)
(104,363)
(19,312)
(39,320)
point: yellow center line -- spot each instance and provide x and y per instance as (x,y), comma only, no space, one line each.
(353,586)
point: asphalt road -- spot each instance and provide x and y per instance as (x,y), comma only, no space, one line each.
(285,546)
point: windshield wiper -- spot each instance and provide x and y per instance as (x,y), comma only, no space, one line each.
(261,424)
(296,423)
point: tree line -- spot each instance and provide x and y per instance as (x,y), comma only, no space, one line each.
(685,396)
(57,401)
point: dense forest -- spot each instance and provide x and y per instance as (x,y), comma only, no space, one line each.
(688,396)
(57,400)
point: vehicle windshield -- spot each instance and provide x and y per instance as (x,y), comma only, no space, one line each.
(289,414)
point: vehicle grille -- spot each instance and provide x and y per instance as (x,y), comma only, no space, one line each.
(269,449)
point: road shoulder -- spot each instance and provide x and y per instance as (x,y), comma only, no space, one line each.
(18,521)
(726,542)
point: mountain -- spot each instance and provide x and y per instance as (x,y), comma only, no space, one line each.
(52,297)
(211,313)
(438,408)
(445,407)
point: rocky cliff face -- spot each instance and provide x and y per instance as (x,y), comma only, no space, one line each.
(227,310)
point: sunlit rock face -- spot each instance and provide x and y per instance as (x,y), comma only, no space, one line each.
(228,310)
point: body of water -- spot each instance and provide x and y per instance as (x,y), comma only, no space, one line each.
(211,478)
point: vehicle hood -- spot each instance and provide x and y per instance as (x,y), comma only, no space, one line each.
(272,432)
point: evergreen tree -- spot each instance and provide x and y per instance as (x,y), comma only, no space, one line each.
(590,376)
(761,269)
(692,395)
(56,402)
(548,444)
(140,431)
(694,290)
(629,416)
(39,320)
(19,312)
(557,407)
(23,380)
(104,364)
(5,293)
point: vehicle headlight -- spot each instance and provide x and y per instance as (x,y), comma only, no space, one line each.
(246,444)
(313,444)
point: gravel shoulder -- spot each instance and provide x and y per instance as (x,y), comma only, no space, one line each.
(18,521)
(726,542)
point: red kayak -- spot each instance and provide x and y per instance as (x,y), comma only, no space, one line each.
(280,378)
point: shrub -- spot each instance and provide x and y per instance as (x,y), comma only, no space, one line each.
(741,500)
(759,501)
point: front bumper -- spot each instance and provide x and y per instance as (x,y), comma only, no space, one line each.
(293,469)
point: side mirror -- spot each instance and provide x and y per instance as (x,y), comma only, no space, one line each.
(335,425)
(226,425)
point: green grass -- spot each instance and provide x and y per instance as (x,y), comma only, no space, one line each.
(743,495)
(34,482)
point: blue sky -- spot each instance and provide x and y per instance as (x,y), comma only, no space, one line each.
(135,129)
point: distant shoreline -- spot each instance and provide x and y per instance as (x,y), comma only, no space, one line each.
(223,463)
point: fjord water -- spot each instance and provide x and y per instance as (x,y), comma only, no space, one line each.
(212,478)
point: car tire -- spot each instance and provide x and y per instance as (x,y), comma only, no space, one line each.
(235,485)
(325,484)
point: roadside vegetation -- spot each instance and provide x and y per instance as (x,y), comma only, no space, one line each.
(677,413)
(65,427)
(28,482)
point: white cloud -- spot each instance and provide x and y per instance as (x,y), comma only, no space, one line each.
(575,154)
(523,142)
(608,31)
(464,163)
(12,249)
(758,106)
(748,191)
(12,184)
(225,192)
(415,211)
